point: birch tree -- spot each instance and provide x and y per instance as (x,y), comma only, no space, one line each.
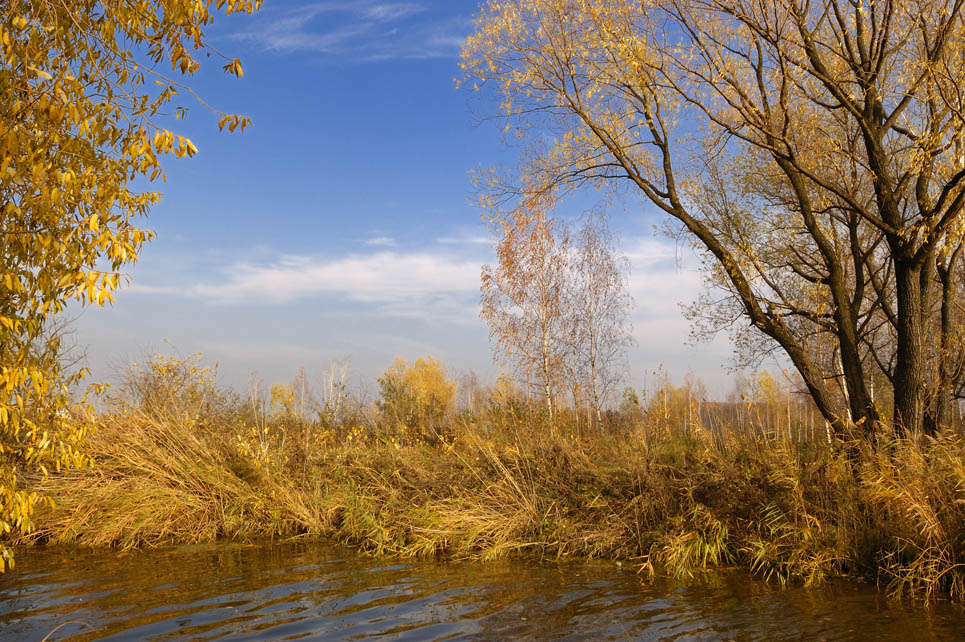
(524,297)
(600,305)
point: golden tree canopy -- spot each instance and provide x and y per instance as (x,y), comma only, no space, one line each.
(417,396)
(86,91)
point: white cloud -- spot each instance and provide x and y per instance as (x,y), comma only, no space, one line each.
(381,241)
(660,284)
(311,309)
(137,288)
(289,36)
(464,240)
(394,344)
(439,284)
(415,284)
(388,10)
(647,251)
(265,350)
(661,281)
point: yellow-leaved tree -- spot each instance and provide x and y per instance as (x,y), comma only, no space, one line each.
(812,151)
(85,94)
(417,397)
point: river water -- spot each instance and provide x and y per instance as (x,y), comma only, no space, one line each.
(299,591)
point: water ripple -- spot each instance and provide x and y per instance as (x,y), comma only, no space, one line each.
(314,592)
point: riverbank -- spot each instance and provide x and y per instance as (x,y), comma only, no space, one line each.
(506,480)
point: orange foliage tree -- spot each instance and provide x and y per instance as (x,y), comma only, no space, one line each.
(524,297)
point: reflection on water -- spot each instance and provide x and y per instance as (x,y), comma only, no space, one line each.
(315,592)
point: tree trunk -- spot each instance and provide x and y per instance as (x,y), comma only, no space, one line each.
(909,411)
(860,405)
(946,275)
(547,388)
(593,379)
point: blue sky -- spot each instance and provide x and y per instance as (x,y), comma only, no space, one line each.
(339,226)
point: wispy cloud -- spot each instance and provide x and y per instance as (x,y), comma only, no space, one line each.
(138,288)
(387,10)
(438,283)
(412,284)
(361,30)
(381,241)
(464,240)
(659,283)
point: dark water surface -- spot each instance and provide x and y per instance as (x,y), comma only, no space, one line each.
(315,592)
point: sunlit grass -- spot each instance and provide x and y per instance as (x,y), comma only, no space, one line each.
(191,463)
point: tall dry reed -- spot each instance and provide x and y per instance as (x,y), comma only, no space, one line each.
(187,463)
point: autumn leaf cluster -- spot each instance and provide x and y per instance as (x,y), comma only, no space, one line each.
(87,93)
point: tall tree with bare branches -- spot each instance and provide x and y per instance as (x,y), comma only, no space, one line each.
(600,305)
(811,149)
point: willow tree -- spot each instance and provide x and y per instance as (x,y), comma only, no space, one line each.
(811,149)
(85,88)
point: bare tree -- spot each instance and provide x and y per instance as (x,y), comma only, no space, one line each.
(600,304)
(333,391)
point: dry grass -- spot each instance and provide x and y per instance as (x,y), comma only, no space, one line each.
(154,483)
(507,481)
